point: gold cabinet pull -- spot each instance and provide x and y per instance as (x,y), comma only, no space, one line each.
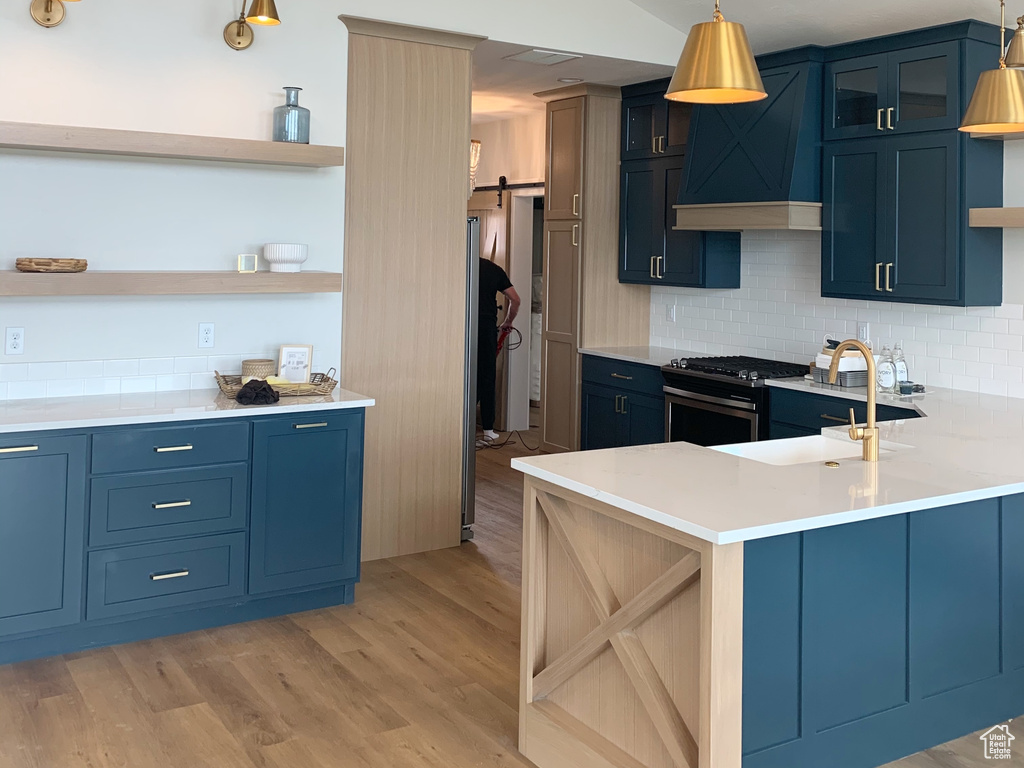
(660,275)
(652,266)
(620,376)
(661,144)
(576,204)
(833,418)
(888,119)
(20,449)
(624,399)
(878,276)
(888,275)
(168,575)
(317,425)
(878,122)
(173,448)
(173,504)
(575,234)
(617,398)
(654,145)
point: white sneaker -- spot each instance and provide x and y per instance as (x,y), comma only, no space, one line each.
(490,434)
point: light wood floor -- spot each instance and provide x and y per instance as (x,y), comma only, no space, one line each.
(421,672)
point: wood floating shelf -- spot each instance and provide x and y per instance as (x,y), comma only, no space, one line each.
(736,217)
(996,218)
(107,141)
(165,283)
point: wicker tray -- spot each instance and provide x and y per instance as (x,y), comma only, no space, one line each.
(51,265)
(319,384)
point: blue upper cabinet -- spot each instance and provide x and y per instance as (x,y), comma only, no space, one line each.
(904,91)
(654,157)
(765,151)
(652,126)
(899,179)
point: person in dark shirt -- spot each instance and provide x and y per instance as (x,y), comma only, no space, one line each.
(493,281)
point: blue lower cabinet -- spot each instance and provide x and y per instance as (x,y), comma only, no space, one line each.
(241,519)
(798,414)
(874,640)
(307,490)
(622,404)
(170,574)
(42,516)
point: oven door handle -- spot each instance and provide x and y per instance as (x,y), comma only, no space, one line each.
(738,404)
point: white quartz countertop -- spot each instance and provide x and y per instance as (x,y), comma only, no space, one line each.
(155,408)
(966,447)
(658,356)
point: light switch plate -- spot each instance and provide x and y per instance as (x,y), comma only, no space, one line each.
(670,313)
(864,332)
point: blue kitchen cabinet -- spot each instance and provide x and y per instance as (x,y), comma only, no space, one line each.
(793,413)
(42,530)
(653,126)
(764,151)
(307,487)
(899,179)
(908,90)
(622,404)
(651,252)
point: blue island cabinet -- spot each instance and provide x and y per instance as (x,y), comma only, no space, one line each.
(41,531)
(306,473)
(115,534)
(867,642)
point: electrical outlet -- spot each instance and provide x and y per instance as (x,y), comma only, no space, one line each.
(15,344)
(206,335)
(670,313)
(864,332)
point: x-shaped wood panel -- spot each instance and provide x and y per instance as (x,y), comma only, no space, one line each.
(617,628)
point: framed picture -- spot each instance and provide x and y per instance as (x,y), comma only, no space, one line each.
(296,362)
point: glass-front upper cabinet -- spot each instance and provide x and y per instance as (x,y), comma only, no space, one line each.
(907,91)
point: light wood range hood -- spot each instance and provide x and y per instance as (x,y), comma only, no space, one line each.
(731,217)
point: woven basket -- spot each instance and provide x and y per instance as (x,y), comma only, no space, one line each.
(258,369)
(319,384)
(51,265)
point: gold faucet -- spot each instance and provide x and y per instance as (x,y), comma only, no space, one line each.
(869,434)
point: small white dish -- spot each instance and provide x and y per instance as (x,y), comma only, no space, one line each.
(285,257)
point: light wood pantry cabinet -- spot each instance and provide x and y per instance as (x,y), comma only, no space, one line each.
(584,303)
(565,159)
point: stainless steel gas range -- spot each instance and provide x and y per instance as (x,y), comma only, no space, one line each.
(720,400)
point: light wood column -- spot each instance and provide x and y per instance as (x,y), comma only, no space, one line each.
(632,640)
(403,331)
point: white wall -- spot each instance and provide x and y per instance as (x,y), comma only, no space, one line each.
(96,69)
(512,148)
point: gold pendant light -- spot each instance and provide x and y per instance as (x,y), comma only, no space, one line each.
(1015,53)
(263,12)
(716,66)
(997,105)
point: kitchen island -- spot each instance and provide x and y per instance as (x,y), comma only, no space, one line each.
(134,516)
(685,606)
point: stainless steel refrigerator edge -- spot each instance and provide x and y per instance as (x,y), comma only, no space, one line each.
(469,386)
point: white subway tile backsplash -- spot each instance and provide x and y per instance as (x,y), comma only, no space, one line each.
(139,377)
(778,312)
(120,368)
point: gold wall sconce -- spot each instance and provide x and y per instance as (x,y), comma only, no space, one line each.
(48,13)
(238,34)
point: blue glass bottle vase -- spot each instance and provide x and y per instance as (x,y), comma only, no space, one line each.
(291,122)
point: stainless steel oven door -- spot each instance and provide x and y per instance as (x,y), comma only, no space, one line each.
(693,417)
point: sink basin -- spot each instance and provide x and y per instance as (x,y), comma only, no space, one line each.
(802,450)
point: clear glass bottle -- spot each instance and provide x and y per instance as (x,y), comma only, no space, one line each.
(291,122)
(885,371)
(900,361)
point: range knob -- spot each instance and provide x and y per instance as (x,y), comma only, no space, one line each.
(674,363)
(744,375)
(754,375)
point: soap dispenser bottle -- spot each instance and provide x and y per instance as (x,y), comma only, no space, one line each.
(900,361)
(885,371)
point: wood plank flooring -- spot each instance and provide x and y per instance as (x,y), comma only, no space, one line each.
(422,672)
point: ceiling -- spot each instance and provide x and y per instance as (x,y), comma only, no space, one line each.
(773,25)
(504,89)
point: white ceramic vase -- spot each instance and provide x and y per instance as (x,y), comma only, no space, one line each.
(285,257)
